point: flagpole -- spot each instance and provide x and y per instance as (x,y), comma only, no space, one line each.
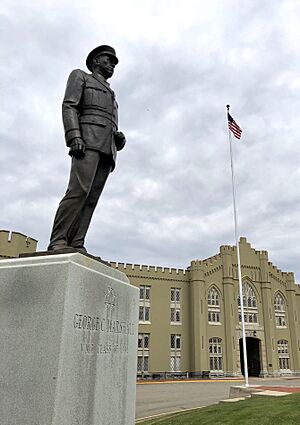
(238,258)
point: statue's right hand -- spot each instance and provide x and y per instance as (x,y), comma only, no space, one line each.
(77,148)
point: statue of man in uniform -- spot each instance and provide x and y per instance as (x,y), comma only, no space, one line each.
(90,117)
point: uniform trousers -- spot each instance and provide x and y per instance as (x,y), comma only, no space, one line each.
(87,179)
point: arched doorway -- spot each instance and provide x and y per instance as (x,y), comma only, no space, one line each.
(253,356)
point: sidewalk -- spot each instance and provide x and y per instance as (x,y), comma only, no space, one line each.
(289,389)
(181,381)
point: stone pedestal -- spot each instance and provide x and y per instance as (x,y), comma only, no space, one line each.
(68,342)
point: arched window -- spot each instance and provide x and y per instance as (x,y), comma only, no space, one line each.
(213,306)
(283,354)
(249,303)
(280,309)
(215,354)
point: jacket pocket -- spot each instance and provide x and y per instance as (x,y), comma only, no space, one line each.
(95,96)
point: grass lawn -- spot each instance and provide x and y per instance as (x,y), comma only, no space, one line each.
(254,411)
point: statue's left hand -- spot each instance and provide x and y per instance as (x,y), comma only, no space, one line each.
(120,140)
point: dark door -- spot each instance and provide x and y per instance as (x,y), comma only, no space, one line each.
(253,356)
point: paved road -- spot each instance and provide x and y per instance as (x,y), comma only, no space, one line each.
(156,398)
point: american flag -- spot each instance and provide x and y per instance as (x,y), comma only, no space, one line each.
(234,127)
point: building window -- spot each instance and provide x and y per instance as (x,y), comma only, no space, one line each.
(175,305)
(213,305)
(175,315)
(279,307)
(215,354)
(144,304)
(283,354)
(144,314)
(142,364)
(249,303)
(145,292)
(143,341)
(143,352)
(175,294)
(175,354)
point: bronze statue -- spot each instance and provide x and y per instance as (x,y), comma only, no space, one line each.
(90,117)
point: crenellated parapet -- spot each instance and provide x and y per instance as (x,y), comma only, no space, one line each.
(227,249)
(276,274)
(150,272)
(14,243)
(263,255)
(208,266)
(254,263)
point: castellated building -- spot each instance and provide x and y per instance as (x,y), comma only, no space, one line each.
(13,243)
(190,319)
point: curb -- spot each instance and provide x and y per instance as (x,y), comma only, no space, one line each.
(161,415)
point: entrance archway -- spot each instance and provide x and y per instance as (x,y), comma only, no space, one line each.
(253,356)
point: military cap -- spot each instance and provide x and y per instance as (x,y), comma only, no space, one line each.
(100,50)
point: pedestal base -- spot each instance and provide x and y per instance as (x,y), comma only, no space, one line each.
(68,347)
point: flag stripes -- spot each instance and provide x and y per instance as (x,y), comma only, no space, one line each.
(234,127)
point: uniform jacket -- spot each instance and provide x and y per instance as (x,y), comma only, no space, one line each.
(90,111)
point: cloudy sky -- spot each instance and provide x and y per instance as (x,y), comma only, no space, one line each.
(169,201)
